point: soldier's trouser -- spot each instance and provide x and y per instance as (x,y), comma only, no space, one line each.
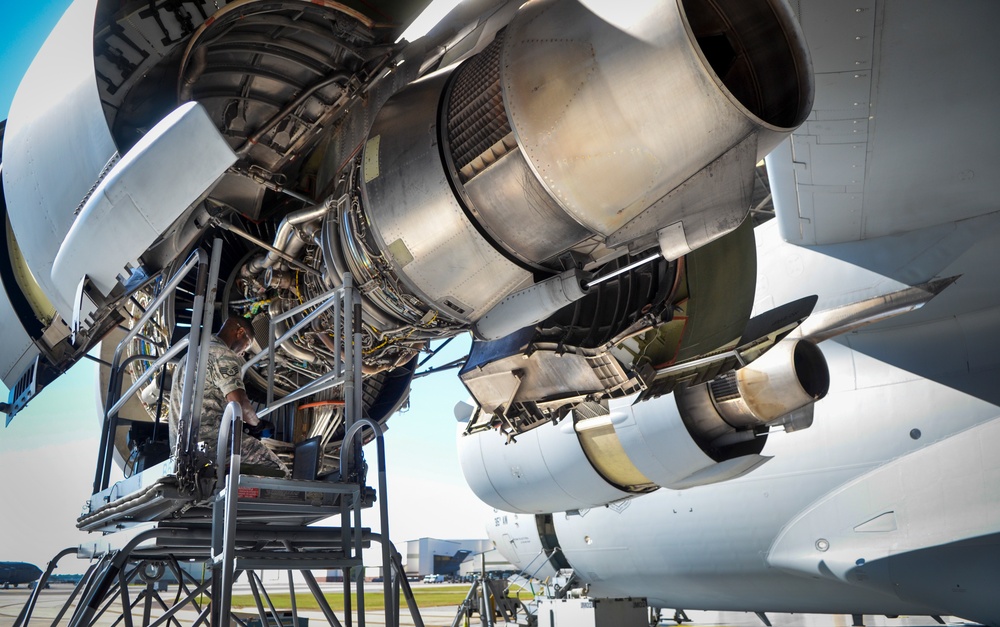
(252,451)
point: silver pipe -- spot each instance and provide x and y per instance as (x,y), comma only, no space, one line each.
(232,414)
(184,432)
(253,240)
(286,230)
(228,518)
(611,275)
(150,372)
(206,330)
(290,347)
(329,297)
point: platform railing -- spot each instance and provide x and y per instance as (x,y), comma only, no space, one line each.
(196,343)
(345,301)
(344,305)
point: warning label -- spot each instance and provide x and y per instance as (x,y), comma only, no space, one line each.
(248,493)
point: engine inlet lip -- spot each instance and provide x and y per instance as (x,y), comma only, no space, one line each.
(800,66)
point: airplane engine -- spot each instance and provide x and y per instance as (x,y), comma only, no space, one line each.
(698,435)
(569,181)
(484,188)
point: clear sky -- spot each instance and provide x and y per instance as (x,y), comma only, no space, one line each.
(49,451)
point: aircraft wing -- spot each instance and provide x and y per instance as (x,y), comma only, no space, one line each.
(889,185)
(896,140)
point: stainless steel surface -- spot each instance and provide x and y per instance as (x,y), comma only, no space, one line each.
(412,211)
(531,305)
(544,375)
(491,173)
(612,108)
(790,376)
(835,321)
(287,232)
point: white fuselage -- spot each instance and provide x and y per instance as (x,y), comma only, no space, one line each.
(888,504)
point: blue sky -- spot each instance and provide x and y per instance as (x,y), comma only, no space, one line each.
(48,453)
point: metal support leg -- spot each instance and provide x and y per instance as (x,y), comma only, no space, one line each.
(324,607)
(224,514)
(291,598)
(411,601)
(486,612)
(190,598)
(25,614)
(252,576)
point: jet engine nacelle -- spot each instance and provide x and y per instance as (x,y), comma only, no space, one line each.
(576,132)
(698,435)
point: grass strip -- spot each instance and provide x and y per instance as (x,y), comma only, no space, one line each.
(426,597)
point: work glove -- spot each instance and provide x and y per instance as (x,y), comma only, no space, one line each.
(263,429)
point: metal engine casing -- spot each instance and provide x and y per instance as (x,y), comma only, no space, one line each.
(596,456)
(477,177)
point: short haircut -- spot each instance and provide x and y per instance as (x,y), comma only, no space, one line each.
(242,322)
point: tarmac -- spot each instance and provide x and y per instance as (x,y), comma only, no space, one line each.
(52,599)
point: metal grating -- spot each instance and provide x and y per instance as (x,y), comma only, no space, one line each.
(477,119)
(725,388)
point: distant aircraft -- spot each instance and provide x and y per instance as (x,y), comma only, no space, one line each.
(17,573)
(580,185)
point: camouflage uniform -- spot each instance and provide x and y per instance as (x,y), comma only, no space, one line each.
(222,377)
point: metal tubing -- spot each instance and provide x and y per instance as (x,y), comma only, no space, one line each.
(86,585)
(123,582)
(147,606)
(267,598)
(359,583)
(181,603)
(174,350)
(230,415)
(397,567)
(188,432)
(487,611)
(258,242)
(25,614)
(99,586)
(324,606)
(348,619)
(286,229)
(256,599)
(349,436)
(197,259)
(329,380)
(348,451)
(291,599)
(349,346)
(337,331)
(611,275)
(204,336)
(328,297)
(229,516)
(355,297)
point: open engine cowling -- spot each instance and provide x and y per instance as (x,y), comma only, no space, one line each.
(697,435)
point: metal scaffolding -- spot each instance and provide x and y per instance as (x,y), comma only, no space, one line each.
(190,509)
